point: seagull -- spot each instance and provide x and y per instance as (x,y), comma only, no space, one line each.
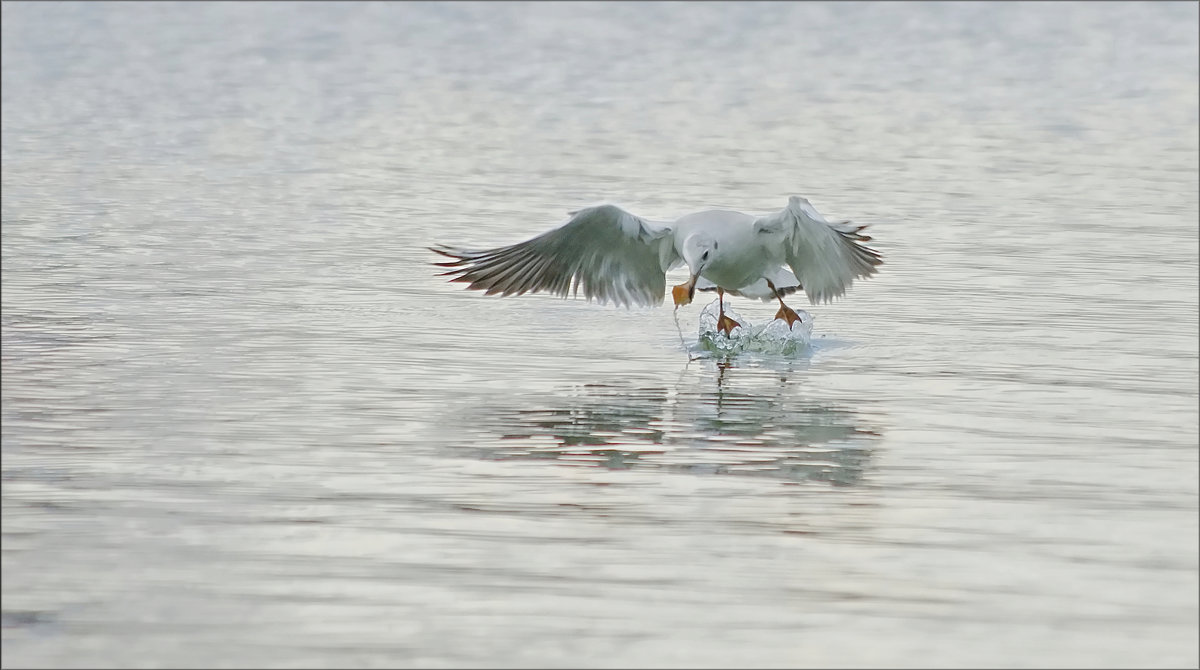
(615,256)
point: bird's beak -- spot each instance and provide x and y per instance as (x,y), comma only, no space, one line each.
(684,293)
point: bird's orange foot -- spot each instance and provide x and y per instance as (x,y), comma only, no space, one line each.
(726,325)
(787,314)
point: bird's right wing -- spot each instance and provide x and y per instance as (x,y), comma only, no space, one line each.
(608,253)
(825,256)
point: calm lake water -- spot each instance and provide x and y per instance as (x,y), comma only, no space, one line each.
(245,425)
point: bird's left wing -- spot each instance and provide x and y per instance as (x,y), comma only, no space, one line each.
(604,251)
(826,256)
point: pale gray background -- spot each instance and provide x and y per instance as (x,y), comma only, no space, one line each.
(244,424)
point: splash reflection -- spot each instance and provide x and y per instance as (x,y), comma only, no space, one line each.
(721,420)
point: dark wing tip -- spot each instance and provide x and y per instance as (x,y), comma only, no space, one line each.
(458,256)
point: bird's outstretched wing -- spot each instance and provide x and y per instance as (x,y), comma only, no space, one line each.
(604,251)
(825,256)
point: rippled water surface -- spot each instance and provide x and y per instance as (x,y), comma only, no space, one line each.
(245,425)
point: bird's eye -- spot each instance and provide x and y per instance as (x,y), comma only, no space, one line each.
(704,257)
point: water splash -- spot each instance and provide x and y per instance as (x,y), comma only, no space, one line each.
(773,337)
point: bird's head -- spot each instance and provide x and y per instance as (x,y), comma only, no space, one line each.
(698,252)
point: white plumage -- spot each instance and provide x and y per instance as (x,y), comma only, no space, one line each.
(610,255)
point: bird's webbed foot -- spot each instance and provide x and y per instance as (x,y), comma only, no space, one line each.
(726,325)
(787,314)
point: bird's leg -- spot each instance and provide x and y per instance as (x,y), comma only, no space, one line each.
(724,323)
(786,313)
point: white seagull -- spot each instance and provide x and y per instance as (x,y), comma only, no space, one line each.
(613,255)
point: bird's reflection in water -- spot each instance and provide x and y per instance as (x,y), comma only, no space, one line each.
(720,419)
